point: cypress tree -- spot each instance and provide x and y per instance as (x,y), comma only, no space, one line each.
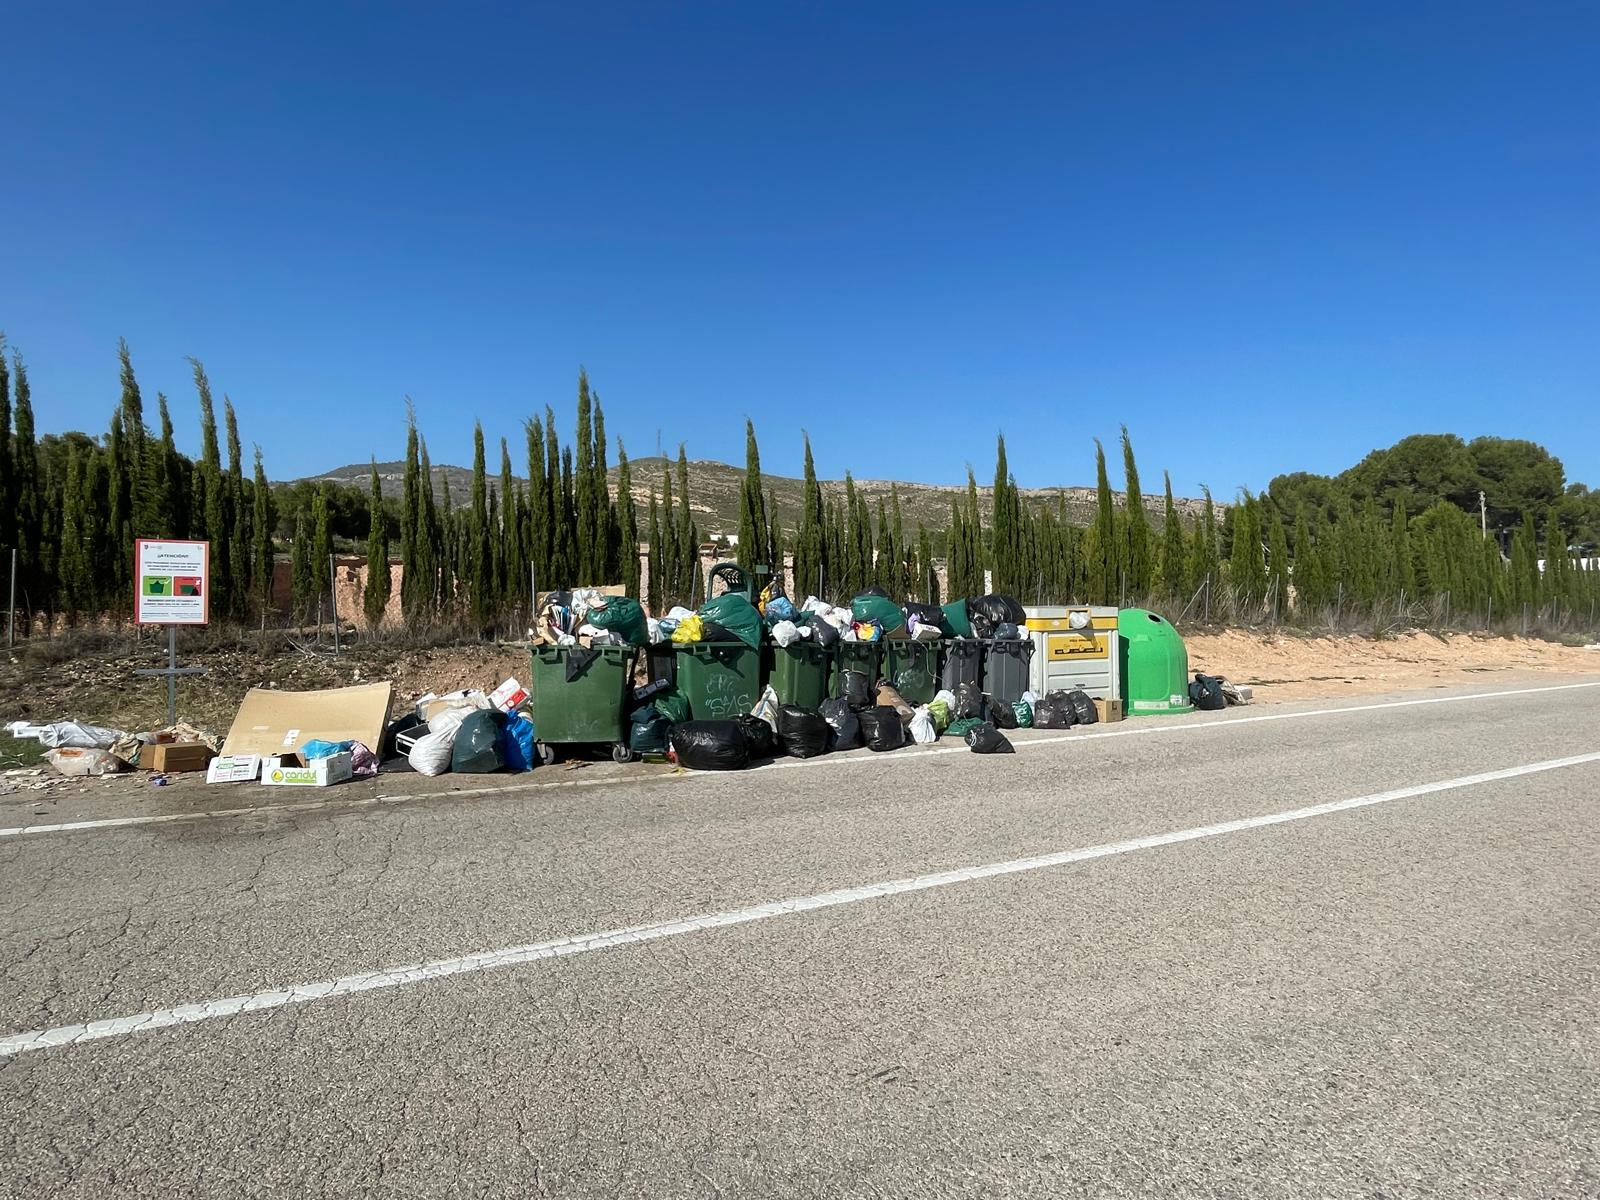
(1139,569)
(322,547)
(852,577)
(775,549)
(753,549)
(654,561)
(1006,525)
(957,577)
(238,515)
(673,578)
(432,556)
(607,531)
(508,537)
(536,537)
(262,524)
(561,567)
(1103,578)
(8,498)
(119,514)
(447,543)
(1533,587)
(1277,562)
(1405,571)
(375,600)
(1203,553)
(26,485)
(1174,565)
(1304,589)
(928,579)
(76,577)
(415,594)
(210,501)
(568,529)
(479,565)
(882,569)
(174,482)
(627,523)
(977,555)
(589,545)
(301,581)
(1247,568)
(808,549)
(694,584)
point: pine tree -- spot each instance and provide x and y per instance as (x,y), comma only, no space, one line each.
(753,549)
(809,544)
(375,600)
(627,523)
(1140,567)
(655,563)
(1174,564)
(1103,579)
(262,523)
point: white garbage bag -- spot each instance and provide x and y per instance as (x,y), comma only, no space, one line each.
(431,754)
(786,633)
(921,728)
(78,735)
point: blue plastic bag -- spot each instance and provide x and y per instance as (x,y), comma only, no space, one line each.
(517,743)
(317,748)
(781,608)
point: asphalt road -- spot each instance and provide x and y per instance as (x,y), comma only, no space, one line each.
(1397,998)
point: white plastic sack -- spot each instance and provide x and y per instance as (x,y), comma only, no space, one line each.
(813,605)
(653,628)
(767,708)
(922,731)
(448,721)
(1031,697)
(75,760)
(923,633)
(679,612)
(947,696)
(431,754)
(78,735)
(786,633)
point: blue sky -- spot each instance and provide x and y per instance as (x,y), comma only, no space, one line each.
(1267,237)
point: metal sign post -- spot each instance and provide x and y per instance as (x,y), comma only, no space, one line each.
(172,587)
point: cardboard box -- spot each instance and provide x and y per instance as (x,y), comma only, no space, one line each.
(172,757)
(273,723)
(291,770)
(509,696)
(234,768)
(1108,710)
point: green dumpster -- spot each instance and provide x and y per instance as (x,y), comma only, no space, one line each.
(720,680)
(1154,664)
(800,674)
(856,656)
(913,668)
(589,707)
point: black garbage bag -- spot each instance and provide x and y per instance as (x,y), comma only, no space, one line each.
(969,703)
(927,614)
(881,728)
(710,631)
(479,747)
(1206,692)
(1007,633)
(857,688)
(988,613)
(759,737)
(986,739)
(711,745)
(1083,710)
(1001,716)
(824,634)
(842,721)
(1054,711)
(803,732)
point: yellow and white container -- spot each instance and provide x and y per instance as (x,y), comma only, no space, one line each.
(1075,646)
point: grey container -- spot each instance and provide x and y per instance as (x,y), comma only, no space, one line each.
(1005,669)
(962,662)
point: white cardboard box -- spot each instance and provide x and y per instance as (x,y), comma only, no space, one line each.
(234,768)
(289,770)
(509,696)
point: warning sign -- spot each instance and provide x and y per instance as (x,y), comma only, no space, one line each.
(172,582)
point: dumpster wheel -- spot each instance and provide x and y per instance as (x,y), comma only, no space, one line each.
(547,754)
(621,754)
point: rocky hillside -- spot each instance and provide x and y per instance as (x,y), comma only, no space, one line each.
(714,492)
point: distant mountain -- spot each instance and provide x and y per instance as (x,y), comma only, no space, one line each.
(714,492)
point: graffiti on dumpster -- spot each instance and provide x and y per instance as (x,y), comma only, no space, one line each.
(727,697)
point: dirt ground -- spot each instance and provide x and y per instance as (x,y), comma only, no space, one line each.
(1289,667)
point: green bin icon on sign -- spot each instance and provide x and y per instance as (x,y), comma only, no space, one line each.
(157,585)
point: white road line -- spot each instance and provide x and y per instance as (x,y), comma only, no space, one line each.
(1140,728)
(393,977)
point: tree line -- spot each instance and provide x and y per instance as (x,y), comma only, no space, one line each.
(1393,539)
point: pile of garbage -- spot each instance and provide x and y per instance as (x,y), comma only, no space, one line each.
(590,617)
(79,749)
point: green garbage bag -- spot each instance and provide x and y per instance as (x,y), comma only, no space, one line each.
(880,609)
(959,728)
(1024,714)
(955,615)
(737,615)
(622,616)
(673,705)
(940,712)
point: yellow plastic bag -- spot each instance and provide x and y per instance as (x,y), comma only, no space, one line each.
(691,629)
